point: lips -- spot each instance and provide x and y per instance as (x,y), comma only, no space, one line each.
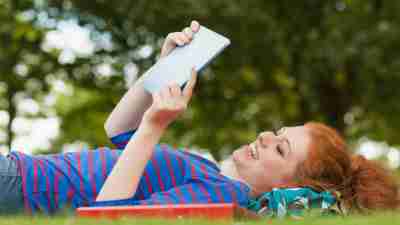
(252,151)
(247,151)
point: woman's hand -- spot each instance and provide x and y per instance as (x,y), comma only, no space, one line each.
(169,103)
(179,38)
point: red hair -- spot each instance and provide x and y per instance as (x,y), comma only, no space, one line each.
(329,165)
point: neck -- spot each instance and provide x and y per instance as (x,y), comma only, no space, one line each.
(228,169)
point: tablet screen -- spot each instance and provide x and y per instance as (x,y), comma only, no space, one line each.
(176,67)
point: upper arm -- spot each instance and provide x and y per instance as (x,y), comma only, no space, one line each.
(192,193)
(183,194)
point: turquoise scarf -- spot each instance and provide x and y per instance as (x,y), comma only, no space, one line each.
(293,202)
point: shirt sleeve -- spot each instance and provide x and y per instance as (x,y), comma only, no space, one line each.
(184,194)
(122,139)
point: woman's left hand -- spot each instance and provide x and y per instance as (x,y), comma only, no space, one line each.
(179,38)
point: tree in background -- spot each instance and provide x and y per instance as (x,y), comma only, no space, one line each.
(23,66)
(289,62)
(30,67)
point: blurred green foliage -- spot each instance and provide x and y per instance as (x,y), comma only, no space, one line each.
(289,62)
(23,67)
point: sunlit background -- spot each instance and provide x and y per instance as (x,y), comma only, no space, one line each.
(73,45)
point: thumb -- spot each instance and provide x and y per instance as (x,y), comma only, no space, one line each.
(188,90)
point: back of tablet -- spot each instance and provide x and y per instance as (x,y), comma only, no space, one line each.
(176,67)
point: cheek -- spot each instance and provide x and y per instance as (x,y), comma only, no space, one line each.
(265,170)
(277,169)
(272,164)
(252,170)
(267,175)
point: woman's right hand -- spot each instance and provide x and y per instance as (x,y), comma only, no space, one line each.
(179,38)
(168,104)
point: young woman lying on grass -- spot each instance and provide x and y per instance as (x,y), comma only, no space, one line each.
(142,172)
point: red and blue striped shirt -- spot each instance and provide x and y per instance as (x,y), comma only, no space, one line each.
(172,176)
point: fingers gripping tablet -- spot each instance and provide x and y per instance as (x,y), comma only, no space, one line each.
(176,67)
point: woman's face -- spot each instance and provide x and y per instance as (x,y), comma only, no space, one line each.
(271,159)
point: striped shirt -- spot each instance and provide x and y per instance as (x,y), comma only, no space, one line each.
(171,176)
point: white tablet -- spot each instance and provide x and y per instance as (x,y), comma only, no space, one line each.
(176,67)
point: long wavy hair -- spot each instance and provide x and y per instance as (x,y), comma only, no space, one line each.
(364,184)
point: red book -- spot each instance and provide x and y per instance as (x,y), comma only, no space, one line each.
(209,211)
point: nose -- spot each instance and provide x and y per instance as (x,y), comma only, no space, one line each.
(267,138)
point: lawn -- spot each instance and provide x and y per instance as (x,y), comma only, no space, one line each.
(381,219)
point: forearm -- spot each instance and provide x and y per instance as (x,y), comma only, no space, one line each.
(128,113)
(124,178)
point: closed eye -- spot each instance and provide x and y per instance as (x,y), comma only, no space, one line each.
(280,151)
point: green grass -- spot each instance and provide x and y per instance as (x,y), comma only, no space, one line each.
(378,219)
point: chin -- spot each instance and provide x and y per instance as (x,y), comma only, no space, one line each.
(236,155)
(239,158)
